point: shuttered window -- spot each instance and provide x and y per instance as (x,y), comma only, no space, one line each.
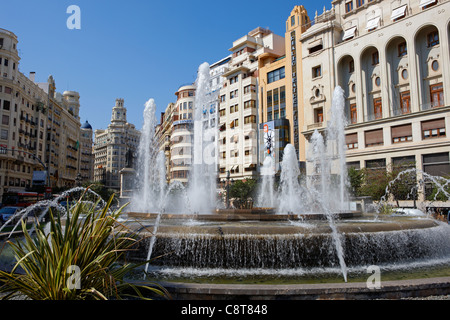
(401,133)
(433,128)
(436,164)
(351,140)
(374,137)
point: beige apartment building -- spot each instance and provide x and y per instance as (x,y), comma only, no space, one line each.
(392,60)
(281,95)
(238,105)
(115,147)
(40,127)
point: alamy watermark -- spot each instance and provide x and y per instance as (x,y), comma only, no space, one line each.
(374,280)
(74,20)
(74,280)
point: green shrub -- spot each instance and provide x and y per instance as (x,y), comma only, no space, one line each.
(92,240)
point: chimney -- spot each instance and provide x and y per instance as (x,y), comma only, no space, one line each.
(32,75)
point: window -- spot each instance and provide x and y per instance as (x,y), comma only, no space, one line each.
(5,119)
(315,48)
(374,137)
(349,33)
(433,128)
(436,164)
(353,113)
(269,98)
(405,74)
(351,66)
(292,21)
(250,119)
(234,94)
(372,24)
(375,58)
(377,108)
(234,108)
(276,97)
(249,104)
(425,4)
(377,81)
(433,39)
(398,13)
(234,79)
(348,6)
(402,50)
(250,88)
(437,95)
(318,115)
(222,98)
(405,102)
(4,134)
(6,104)
(376,164)
(6,62)
(316,71)
(282,97)
(435,65)
(359,3)
(275,75)
(401,133)
(351,140)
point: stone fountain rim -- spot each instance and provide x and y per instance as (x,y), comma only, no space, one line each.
(263,214)
(273,225)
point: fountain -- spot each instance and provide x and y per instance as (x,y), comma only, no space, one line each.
(302,228)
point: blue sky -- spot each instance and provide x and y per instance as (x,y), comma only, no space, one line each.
(133,49)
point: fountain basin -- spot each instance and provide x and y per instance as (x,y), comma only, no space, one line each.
(289,244)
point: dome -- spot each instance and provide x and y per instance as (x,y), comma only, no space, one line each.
(86,125)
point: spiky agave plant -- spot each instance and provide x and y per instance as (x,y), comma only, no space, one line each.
(80,257)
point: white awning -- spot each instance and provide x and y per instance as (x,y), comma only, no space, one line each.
(424,3)
(399,12)
(373,23)
(349,33)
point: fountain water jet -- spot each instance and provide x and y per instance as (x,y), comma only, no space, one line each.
(202,186)
(151,172)
(266,194)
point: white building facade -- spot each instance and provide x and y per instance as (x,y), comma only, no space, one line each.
(392,60)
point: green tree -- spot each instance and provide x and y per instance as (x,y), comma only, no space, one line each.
(375,183)
(356,178)
(243,192)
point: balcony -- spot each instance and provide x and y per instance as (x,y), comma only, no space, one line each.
(374,116)
(314,126)
(432,105)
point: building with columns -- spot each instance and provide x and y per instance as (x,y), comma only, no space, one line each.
(391,58)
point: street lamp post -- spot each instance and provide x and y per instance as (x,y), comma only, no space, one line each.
(228,189)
